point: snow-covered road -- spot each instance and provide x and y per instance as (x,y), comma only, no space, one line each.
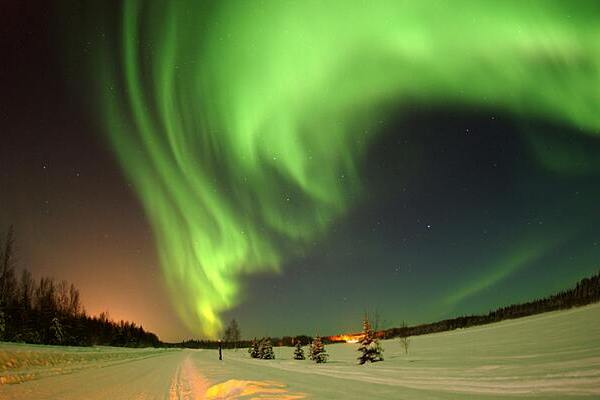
(173,375)
(129,379)
(548,356)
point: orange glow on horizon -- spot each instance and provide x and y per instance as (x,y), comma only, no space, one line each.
(348,338)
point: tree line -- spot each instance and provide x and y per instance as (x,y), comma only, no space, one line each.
(287,341)
(586,291)
(46,311)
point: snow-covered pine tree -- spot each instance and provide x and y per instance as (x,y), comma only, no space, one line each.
(266,349)
(317,351)
(253,349)
(299,352)
(370,349)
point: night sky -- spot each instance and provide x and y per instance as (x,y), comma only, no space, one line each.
(293,166)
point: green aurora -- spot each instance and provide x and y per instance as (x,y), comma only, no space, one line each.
(242,124)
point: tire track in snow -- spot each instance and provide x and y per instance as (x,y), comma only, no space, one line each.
(188,383)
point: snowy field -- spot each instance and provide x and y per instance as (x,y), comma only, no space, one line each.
(554,355)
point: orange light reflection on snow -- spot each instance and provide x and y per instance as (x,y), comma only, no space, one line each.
(237,389)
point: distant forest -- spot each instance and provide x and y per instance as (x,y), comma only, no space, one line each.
(586,291)
(213,344)
(50,312)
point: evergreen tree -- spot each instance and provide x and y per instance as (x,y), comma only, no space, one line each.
(266,349)
(317,351)
(254,349)
(369,348)
(299,352)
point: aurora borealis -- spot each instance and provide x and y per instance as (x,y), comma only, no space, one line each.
(271,143)
(247,121)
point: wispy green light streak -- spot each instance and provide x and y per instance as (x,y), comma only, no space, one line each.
(242,124)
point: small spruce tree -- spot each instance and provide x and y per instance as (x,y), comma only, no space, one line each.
(254,349)
(370,349)
(266,349)
(317,351)
(299,352)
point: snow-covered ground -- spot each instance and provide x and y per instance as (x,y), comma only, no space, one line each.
(553,355)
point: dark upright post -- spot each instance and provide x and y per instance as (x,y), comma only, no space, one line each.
(220,354)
